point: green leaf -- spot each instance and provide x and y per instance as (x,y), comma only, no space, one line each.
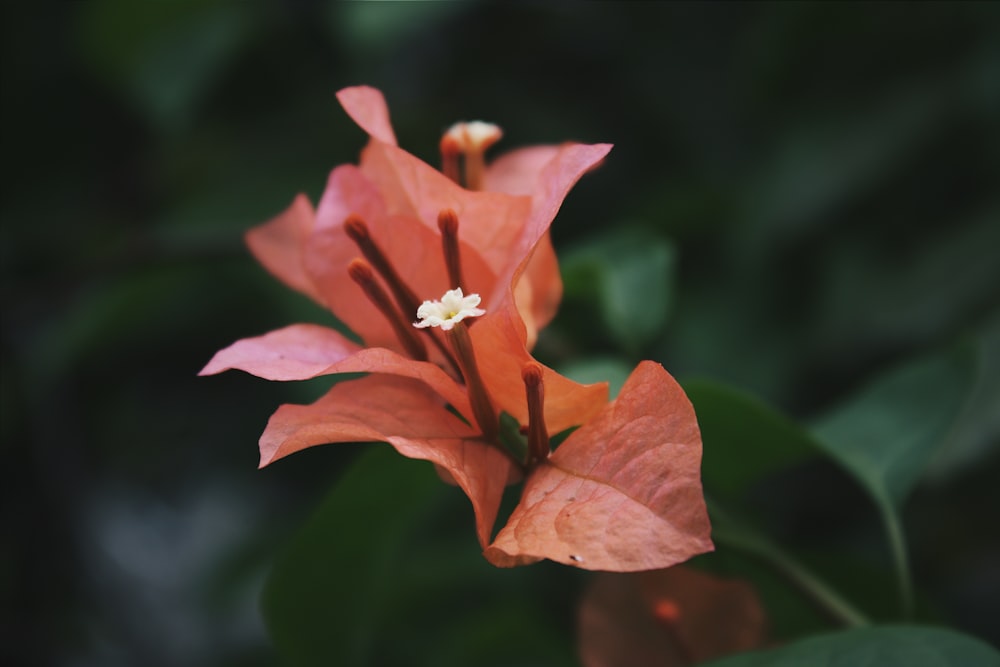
(887,435)
(745,444)
(324,597)
(977,436)
(744,439)
(629,273)
(167,55)
(388,571)
(887,646)
(591,370)
(739,535)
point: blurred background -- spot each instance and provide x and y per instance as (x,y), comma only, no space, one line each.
(814,187)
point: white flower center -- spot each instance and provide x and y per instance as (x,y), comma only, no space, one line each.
(452,308)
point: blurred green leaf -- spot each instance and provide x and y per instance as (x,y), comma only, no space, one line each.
(629,273)
(376,27)
(977,435)
(374,577)
(324,598)
(168,54)
(746,446)
(828,159)
(732,532)
(593,369)
(888,646)
(744,439)
(872,290)
(887,435)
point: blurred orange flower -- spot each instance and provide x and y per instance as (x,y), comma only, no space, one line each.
(667,618)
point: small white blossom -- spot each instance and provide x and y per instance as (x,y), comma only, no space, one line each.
(453,307)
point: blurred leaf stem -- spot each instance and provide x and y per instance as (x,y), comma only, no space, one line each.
(729,532)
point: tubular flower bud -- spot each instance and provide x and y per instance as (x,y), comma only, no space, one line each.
(468,140)
(471,136)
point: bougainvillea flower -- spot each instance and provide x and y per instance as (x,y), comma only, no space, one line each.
(667,618)
(388,238)
(398,200)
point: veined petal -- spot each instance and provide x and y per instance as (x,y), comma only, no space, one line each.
(517,172)
(539,289)
(552,185)
(348,192)
(304,351)
(623,493)
(296,352)
(367,107)
(406,414)
(278,245)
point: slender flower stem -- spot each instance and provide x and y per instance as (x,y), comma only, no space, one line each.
(479,397)
(450,152)
(475,169)
(725,531)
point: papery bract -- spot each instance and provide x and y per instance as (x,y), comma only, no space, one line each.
(622,493)
(409,416)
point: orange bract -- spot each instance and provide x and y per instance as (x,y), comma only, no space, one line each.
(621,493)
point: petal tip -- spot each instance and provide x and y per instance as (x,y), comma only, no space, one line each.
(367,107)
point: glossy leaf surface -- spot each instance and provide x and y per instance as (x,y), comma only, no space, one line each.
(889,646)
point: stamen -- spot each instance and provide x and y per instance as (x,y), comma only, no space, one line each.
(405,297)
(538,435)
(361,273)
(448,224)
(475,170)
(479,398)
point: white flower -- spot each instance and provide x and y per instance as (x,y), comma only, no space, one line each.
(453,307)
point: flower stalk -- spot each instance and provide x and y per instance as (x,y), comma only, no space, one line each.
(479,397)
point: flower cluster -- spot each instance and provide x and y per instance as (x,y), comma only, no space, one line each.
(389,236)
